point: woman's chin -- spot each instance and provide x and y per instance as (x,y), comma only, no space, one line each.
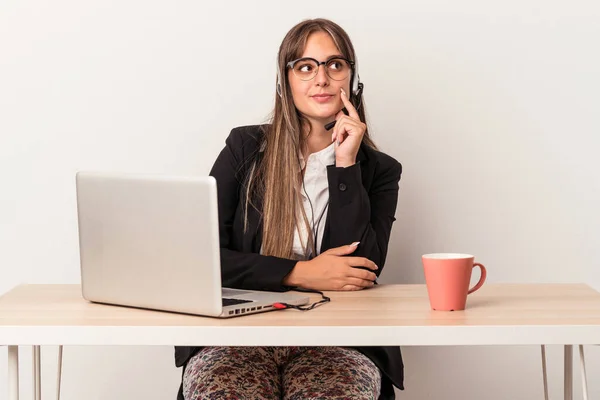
(325,114)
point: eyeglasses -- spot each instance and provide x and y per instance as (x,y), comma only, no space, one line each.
(306,68)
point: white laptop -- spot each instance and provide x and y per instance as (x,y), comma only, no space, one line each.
(152,241)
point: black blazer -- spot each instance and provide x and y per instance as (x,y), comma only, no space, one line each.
(362,204)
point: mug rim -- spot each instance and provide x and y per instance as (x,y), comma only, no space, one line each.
(447,256)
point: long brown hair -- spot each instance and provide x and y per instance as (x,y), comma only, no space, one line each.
(277,178)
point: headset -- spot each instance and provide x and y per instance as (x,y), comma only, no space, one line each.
(356,86)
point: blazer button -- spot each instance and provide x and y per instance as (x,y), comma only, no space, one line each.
(342,186)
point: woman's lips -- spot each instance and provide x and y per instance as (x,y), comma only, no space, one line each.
(322,98)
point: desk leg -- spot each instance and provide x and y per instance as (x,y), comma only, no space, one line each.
(59,375)
(544,372)
(568,372)
(37,384)
(583,373)
(13,372)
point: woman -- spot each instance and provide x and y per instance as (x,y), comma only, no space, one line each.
(301,206)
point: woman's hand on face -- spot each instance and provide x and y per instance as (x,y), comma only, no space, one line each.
(332,271)
(348,132)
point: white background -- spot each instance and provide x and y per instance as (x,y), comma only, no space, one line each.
(491,106)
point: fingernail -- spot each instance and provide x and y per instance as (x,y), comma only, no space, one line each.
(343,92)
(355,244)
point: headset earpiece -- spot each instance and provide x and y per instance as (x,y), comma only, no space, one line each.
(355,85)
(278,88)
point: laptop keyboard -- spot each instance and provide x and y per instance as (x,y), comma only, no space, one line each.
(231,302)
(227,292)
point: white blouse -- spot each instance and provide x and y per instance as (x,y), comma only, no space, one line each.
(315,198)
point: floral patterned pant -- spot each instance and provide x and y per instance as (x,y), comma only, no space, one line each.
(289,373)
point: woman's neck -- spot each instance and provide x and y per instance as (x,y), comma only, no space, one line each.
(318,139)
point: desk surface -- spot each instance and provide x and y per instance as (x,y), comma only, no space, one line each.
(498,314)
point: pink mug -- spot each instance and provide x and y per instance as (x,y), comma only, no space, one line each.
(448,276)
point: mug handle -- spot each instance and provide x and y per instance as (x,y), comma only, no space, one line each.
(481,278)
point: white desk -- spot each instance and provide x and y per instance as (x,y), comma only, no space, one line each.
(498,314)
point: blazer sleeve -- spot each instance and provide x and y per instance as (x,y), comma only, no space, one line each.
(360,216)
(240,269)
